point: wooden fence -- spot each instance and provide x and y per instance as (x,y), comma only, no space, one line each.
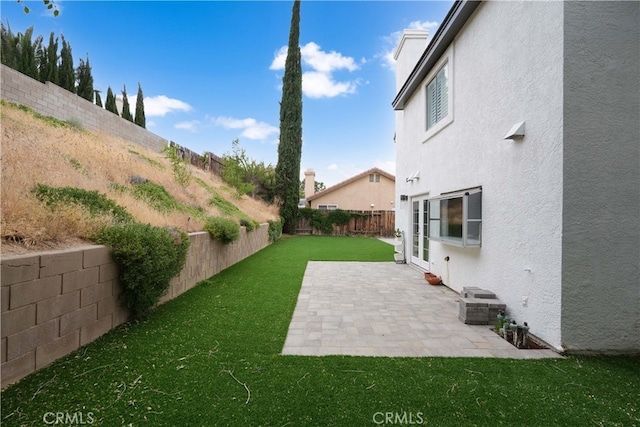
(363,223)
(207,161)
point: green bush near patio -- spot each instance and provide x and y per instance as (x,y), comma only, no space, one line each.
(212,357)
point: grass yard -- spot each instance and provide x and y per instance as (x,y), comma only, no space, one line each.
(212,358)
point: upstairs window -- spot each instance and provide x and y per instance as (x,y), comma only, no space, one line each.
(374,177)
(456,218)
(327,207)
(438,96)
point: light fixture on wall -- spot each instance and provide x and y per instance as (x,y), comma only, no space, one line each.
(414,177)
(516,132)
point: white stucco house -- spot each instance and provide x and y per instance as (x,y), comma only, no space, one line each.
(518,163)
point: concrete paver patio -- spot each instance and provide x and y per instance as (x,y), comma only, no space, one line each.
(386,309)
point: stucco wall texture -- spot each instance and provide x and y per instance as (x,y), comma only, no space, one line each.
(560,207)
(55,302)
(601,177)
(360,195)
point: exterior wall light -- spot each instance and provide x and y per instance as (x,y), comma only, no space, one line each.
(516,132)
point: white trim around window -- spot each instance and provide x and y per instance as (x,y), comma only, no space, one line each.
(456,218)
(327,207)
(438,95)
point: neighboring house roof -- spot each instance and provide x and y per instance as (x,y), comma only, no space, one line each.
(351,180)
(451,25)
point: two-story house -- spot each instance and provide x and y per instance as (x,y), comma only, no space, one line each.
(518,162)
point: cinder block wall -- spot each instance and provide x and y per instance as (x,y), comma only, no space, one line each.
(49,99)
(55,302)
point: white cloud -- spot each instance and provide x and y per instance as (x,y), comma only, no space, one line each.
(325,62)
(318,85)
(391,41)
(191,126)
(319,82)
(279,59)
(161,105)
(333,167)
(251,128)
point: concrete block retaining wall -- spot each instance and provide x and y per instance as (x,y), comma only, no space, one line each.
(49,99)
(55,302)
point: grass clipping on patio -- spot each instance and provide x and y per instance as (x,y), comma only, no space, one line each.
(212,357)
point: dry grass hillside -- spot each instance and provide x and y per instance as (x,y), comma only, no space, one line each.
(40,151)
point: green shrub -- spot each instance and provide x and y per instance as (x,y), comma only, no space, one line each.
(155,196)
(148,258)
(223,229)
(325,220)
(275,230)
(249,224)
(180,166)
(97,203)
(339,217)
(225,207)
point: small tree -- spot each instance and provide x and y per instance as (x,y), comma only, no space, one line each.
(27,53)
(98,99)
(126,110)
(140,119)
(110,103)
(235,169)
(67,74)
(50,71)
(8,51)
(85,80)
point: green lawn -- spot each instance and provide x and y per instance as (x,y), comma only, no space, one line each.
(211,358)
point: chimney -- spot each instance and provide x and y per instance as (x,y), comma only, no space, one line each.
(411,47)
(309,183)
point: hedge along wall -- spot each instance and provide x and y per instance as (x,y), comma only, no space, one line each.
(49,99)
(55,302)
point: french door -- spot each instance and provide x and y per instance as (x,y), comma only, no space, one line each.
(419,239)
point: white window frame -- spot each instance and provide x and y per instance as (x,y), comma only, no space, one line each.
(446,59)
(471,218)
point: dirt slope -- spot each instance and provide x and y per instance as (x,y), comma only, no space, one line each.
(38,151)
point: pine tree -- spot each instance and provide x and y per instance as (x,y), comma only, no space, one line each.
(98,99)
(110,103)
(126,110)
(41,60)
(67,75)
(27,54)
(50,71)
(290,146)
(140,119)
(85,80)
(9,47)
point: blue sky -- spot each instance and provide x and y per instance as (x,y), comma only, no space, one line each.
(212,71)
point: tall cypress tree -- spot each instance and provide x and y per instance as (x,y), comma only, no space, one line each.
(9,49)
(140,119)
(50,71)
(85,80)
(67,75)
(110,103)
(27,54)
(290,146)
(126,110)
(98,99)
